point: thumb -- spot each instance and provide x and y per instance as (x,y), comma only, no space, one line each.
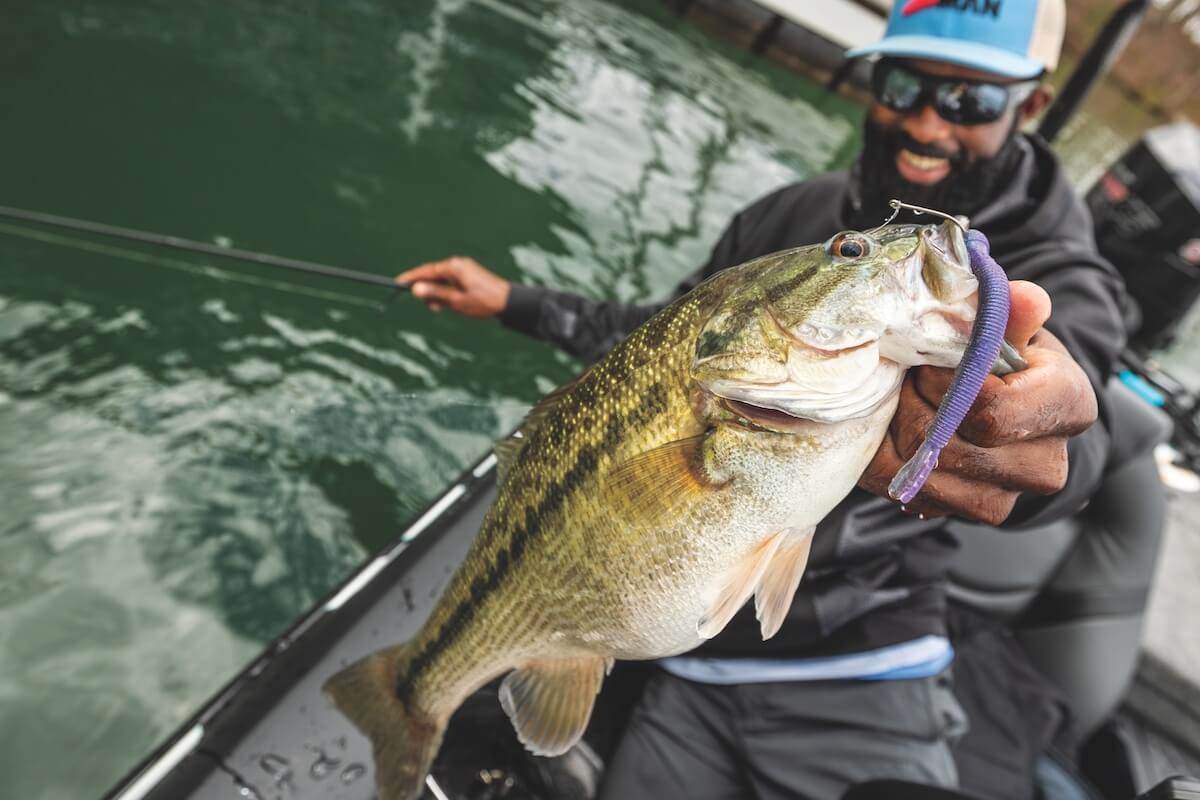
(439,271)
(1028,311)
(432,293)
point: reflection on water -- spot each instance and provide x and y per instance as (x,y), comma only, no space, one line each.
(194,455)
(428,50)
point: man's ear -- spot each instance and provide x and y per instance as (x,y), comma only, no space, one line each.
(1037,102)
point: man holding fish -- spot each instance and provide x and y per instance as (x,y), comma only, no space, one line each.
(855,685)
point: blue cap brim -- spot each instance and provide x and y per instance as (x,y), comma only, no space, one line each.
(965,54)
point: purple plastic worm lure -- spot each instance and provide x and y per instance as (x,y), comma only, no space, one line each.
(987,338)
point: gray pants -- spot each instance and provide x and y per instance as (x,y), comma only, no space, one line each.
(783,740)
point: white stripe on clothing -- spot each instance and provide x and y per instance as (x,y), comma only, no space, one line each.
(922,657)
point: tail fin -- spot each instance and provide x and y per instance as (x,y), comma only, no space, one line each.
(404,743)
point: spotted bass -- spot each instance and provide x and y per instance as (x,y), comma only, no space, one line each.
(641,506)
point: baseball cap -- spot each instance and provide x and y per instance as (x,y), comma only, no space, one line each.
(1013,38)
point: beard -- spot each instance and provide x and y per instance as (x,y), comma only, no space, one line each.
(972,184)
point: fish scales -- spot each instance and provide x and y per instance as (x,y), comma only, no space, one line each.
(680,476)
(610,414)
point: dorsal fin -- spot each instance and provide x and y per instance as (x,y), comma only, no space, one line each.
(508,449)
(506,455)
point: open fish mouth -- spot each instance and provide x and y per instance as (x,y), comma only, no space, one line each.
(763,418)
(946,271)
(948,243)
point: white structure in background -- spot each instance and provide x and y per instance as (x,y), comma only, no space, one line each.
(849,23)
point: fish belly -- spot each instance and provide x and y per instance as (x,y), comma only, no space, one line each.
(785,489)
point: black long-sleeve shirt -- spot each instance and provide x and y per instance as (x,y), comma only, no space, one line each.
(874,574)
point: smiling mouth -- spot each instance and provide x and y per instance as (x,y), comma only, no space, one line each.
(923,163)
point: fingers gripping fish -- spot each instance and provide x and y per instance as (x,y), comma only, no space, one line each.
(641,506)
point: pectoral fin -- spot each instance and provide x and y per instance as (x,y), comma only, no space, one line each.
(777,587)
(737,585)
(550,701)
(659,484)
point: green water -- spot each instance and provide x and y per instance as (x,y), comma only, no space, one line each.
(189,460)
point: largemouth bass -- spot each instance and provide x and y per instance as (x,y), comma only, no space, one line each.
(641,506)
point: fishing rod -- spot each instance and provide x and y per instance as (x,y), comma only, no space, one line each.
(189,245)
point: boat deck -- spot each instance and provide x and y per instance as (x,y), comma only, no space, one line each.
(271,732)
(1172,636)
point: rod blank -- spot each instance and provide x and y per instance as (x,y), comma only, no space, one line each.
(265,259)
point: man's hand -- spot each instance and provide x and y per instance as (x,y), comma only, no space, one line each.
(460,284)
(1013,440)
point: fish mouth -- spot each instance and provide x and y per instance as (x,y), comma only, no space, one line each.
(946,264)
(940,298)
(762,418)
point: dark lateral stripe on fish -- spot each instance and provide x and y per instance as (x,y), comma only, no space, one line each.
(507,558)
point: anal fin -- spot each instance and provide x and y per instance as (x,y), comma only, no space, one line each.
(550,701)
(777,586)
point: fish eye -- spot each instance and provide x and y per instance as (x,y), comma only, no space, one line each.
(848,244)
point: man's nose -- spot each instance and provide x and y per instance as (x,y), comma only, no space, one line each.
(925,125)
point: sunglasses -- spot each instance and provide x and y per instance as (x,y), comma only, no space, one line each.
(956,100)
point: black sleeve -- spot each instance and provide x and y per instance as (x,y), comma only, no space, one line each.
(1086,317)
(589,328)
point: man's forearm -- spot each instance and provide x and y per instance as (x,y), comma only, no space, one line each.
(577,325)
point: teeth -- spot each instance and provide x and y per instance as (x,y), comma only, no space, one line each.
(922,162)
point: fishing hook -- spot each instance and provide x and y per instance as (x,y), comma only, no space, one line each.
(897,206)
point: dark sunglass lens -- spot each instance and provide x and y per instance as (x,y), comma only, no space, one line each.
(987,102)
(896,88)
(971,103)
(951,100)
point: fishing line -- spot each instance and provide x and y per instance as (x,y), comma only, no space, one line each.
(192,246)
(207,271)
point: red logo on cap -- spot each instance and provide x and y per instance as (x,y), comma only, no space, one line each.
(913,6)
(991,7)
